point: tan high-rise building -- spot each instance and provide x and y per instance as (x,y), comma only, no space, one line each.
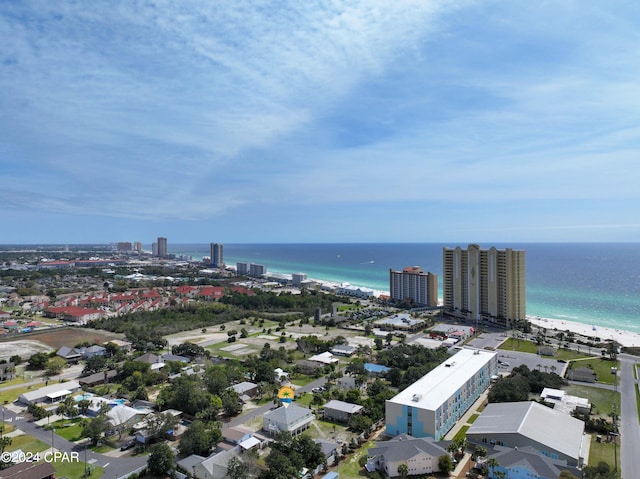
(485,284)
(413,284)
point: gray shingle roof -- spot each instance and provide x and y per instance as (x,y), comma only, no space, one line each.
(404,447)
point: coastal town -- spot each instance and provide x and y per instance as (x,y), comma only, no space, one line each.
(121,363)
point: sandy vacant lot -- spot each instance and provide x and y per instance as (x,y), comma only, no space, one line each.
(24,348)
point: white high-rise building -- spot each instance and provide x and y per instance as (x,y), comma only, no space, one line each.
(413,284)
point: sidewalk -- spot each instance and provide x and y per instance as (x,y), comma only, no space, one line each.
(463,421)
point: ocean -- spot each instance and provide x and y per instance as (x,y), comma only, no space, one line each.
(591,283)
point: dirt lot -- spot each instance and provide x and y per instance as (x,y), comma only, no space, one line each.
(24,348)
(54,338)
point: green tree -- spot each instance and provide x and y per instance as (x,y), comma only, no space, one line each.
(492,463)
(445,464)
(94,429)
(38,361)
(67,408)
(236,469)
(160,460)
(200,438)
(403,470)
(231,402)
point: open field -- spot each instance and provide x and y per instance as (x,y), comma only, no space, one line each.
(601,399)
(71,336)
(603,451)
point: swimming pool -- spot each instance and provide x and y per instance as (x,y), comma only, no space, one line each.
(80,397)
(118,402)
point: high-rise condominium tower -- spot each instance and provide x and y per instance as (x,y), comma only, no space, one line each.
(217,259)
(415,285)
(162,247)
(487,285)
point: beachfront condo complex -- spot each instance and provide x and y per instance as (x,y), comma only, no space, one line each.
(486,285)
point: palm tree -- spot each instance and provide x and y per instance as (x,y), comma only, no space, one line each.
(492,463)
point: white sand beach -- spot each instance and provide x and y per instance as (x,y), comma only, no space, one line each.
(625,338)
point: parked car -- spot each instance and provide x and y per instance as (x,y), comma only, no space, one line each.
(128,445)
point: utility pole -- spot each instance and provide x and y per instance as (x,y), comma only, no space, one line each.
(615,441)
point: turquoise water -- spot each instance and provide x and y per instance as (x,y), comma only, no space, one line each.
(592,283)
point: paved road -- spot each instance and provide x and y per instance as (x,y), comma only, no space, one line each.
(629,425)
(262,410)
(114,467)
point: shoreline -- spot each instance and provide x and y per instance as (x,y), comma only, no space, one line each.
(625,338)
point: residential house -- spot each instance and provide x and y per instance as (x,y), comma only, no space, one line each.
(70,355)
(212,467)
(341,411)
(344,350)
(329,449)
(175,357)
(293,419)
(281,376)
(420,455)
(153,360)
(246,390)
(49,394)
(586,375)
(347,382)
(376,369)
(304,366)
(7,371)
(123,345)
(324,358)
(240,436)
(29,470)
(96,379)
(93,351)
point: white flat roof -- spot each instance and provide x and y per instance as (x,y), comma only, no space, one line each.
(437,386)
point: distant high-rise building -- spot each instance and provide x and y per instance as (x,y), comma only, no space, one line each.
(257,269)
(242,268)
(488,285)
(154,248)
(162,247)
(137,246)
(413,284)
(123,246)
(298,278)
(217,258)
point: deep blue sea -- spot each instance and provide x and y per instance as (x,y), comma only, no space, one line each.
(593,283)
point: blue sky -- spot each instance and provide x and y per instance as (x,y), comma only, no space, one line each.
(257,121)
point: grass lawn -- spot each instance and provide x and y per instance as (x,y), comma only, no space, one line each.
(71,431)
(638,400)
(473,418)
(75,469)
(602,451)
(462,433)
(570,354)
(601,399)
(10,395)
(602,367)
(521,345)
(304,400)
(350,468)
(7,428)
(301,379)
(27,444)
